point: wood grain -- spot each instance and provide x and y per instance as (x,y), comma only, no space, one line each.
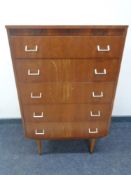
(52,93)
(66,46)
(66,113)
(57,70)
(66,130)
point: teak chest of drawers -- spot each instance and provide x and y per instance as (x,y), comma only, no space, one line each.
(66,79)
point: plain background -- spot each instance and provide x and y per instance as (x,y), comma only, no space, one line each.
(62,12)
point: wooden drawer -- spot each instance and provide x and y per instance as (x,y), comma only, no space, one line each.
(66,46)
(66,113)
(42,93)
(66,130)
(76,70)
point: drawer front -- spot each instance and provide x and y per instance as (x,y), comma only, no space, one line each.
(66,113)
(66,46)
(54,70)
(66,130)
(49,93)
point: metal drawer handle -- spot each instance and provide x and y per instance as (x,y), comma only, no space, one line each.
(38,116)
(95,115)
(97,95)
(35,49)
(107,49)
(93,131)
(42,132)
(100,73)
(33,73)
(36,96)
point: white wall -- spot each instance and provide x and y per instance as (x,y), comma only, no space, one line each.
(60,12)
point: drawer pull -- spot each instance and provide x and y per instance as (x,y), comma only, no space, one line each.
(38,116)
(97,95)
(93,131)
(33,73)
(95,115)
(35,49)
(36,96)
(107,49)
(42,132)
(100,73)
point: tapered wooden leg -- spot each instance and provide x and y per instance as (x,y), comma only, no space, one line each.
(39,145)
(92,143)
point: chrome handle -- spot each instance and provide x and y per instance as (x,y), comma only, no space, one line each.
(42,132)
(33,73)
(35,49)
(107,49)
(100,73)
(93,131)
(97,95)
(95,115)
(36,96)
(38,116)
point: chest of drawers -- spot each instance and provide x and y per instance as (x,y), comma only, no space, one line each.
(66,79)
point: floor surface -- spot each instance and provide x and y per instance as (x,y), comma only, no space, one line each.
(112,156)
